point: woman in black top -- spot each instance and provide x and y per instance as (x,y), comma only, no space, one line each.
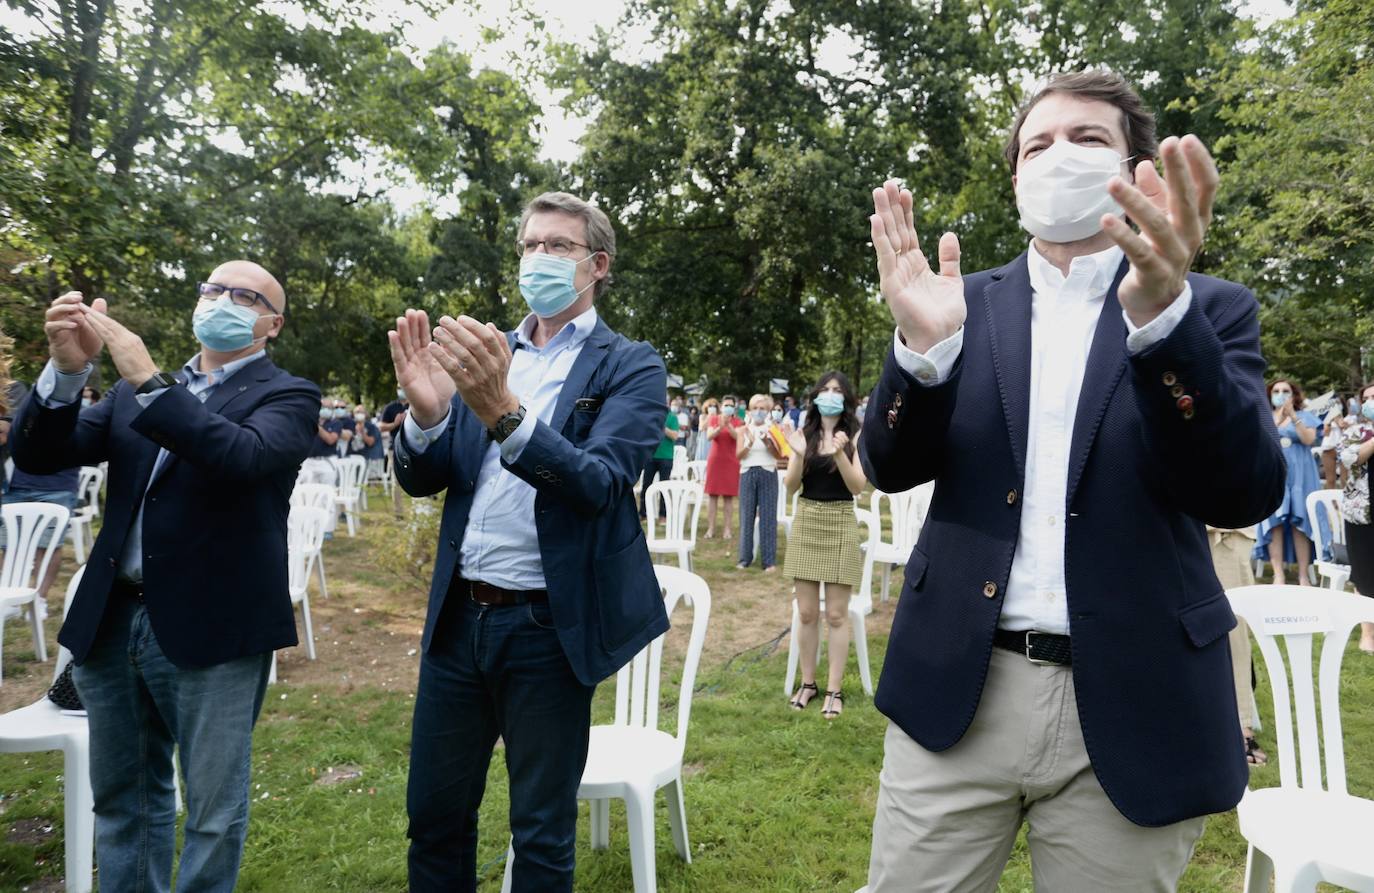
(823,546)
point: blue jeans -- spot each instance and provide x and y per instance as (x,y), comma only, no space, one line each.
(493,671)
(758,494)
(140,706)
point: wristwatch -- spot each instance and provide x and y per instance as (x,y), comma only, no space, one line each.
(159,381)
(506,425)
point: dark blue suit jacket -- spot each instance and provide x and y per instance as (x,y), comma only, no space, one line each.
(583,466)
(1147,469)
(214,522)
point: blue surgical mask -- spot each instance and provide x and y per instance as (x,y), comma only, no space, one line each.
(760,416)
(829,403)
(1278,398)
(546,282)
(340,413)
(326,412)
(777,415)
(85,401)
(224,326)
(1367,410)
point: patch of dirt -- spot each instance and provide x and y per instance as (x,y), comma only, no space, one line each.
(336,774)
(30,832)
(46,885)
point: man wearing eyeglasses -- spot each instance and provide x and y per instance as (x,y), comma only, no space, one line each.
(543,584)
(184,598)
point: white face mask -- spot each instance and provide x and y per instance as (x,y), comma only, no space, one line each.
(1062,192)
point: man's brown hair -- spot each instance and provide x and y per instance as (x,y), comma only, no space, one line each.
(1137,122)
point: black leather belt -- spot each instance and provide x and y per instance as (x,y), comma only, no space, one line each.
(495,596)
(1038,648)
(121,589)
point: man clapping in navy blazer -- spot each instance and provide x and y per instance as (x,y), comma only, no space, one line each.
(543,584)
(185,595)
(1059,654)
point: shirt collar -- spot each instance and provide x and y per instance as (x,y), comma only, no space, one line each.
(1096,270)
(573,333)
(215,376)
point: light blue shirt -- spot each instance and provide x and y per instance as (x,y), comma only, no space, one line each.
(59,389)
(501,544)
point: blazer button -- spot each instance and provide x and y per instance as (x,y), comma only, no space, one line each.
(891,419)
(896,401)
(452,544)
(1011,497)
(1185,403)
(1176,390)
(1187,413)
(989,589)
(1170,379)
(112,562)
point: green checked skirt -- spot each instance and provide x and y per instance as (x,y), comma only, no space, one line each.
(824,543)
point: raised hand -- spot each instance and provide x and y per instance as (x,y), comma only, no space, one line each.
(477,359)
(927,307)
(427,385)
(72,343)
(130,356)
(1173,214)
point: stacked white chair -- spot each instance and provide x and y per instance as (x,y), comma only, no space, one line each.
(1305,830)
(304,538)
(352,470)
(1328,502)
(696,471)
(88,489)
(23,570)
(681,501)
(632,758)
(679,469)
(908,510)
(320,496)
(43,726)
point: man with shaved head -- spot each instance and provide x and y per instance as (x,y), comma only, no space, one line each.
(185,597)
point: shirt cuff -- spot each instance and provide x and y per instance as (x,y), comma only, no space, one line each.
(1138,340)
(514,445)
(146,400)
(935,365)
(55,388)
(418,439)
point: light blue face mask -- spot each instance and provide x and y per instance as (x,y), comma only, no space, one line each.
(1278,398)
(829,403)
(224,326)
(1367,410)
(546,282)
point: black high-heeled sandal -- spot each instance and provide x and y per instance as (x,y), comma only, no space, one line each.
(797,702)
(832,698)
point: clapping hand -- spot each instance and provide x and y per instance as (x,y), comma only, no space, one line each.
(839,439)
(428,387)
(477,358)
(72,343)
(1173,213)
(126,349)
(927,307)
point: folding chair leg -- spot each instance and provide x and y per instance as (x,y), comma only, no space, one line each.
(319,565)
(40,644)
(78,813)
(79,543)
(860,636)
(309,631)
(677,817)
(510,866)
(887,579)
(639,809)
(352,529)
(272,673)
(1259,868)
(1296,878)
(793,651)
(601,824)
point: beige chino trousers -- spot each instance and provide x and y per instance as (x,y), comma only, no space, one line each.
(946,821)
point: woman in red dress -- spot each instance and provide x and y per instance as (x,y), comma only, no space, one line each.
(722,465)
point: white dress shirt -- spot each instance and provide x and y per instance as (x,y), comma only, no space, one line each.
(1064,314)
(501,544)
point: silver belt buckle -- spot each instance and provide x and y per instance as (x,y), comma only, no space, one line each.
(1030,633)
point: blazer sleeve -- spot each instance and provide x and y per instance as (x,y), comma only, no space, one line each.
(1200,393)
(595,475)
(905,430)
(48,439)
(274,436)
(429,472)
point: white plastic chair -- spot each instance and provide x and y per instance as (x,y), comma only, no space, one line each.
(1328,501)
(1301,832)
(908,510)
(304,536)
(43,726)
(632,758)
(696,471)
(320,496)
(787,506)
(25,523)
(679,469)
(682,501)
(88,493)
(352,470)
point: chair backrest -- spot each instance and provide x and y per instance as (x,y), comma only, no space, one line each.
(908,512)
(320,496)
(297,569)
(637,683)
(1297,614)
(696,471)
(63,655)
(682,504)
(1327,502)
(352,470)
(25,523)
(679,471)
(305,527)
(318,471)
(88,488)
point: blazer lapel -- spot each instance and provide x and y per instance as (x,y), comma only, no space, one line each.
(1007,301)
(246,379)
(1106,363)
(593,351)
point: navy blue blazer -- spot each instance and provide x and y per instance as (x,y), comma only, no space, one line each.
(214,520)
(1164,442)
(583,465)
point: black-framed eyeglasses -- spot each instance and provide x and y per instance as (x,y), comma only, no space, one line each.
(557,246)
(244,297)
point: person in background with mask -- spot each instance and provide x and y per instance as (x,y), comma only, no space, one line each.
(393,416)
(792,411)
(758,451)
(660,464)
(1285,537)
(366,440)
(710,409)
(327,431)
(863,408)
(185,595)
(537,435)
(722,465)
(89,396)
(1084,410)
(1357,448)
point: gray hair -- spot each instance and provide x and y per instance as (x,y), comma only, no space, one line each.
(600,233)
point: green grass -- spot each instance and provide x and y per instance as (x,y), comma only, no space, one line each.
(776,800)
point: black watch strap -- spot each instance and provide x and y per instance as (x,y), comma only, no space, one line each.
(506,425)
(159,381)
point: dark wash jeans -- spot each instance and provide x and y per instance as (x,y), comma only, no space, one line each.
(495,671)
(140,706)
